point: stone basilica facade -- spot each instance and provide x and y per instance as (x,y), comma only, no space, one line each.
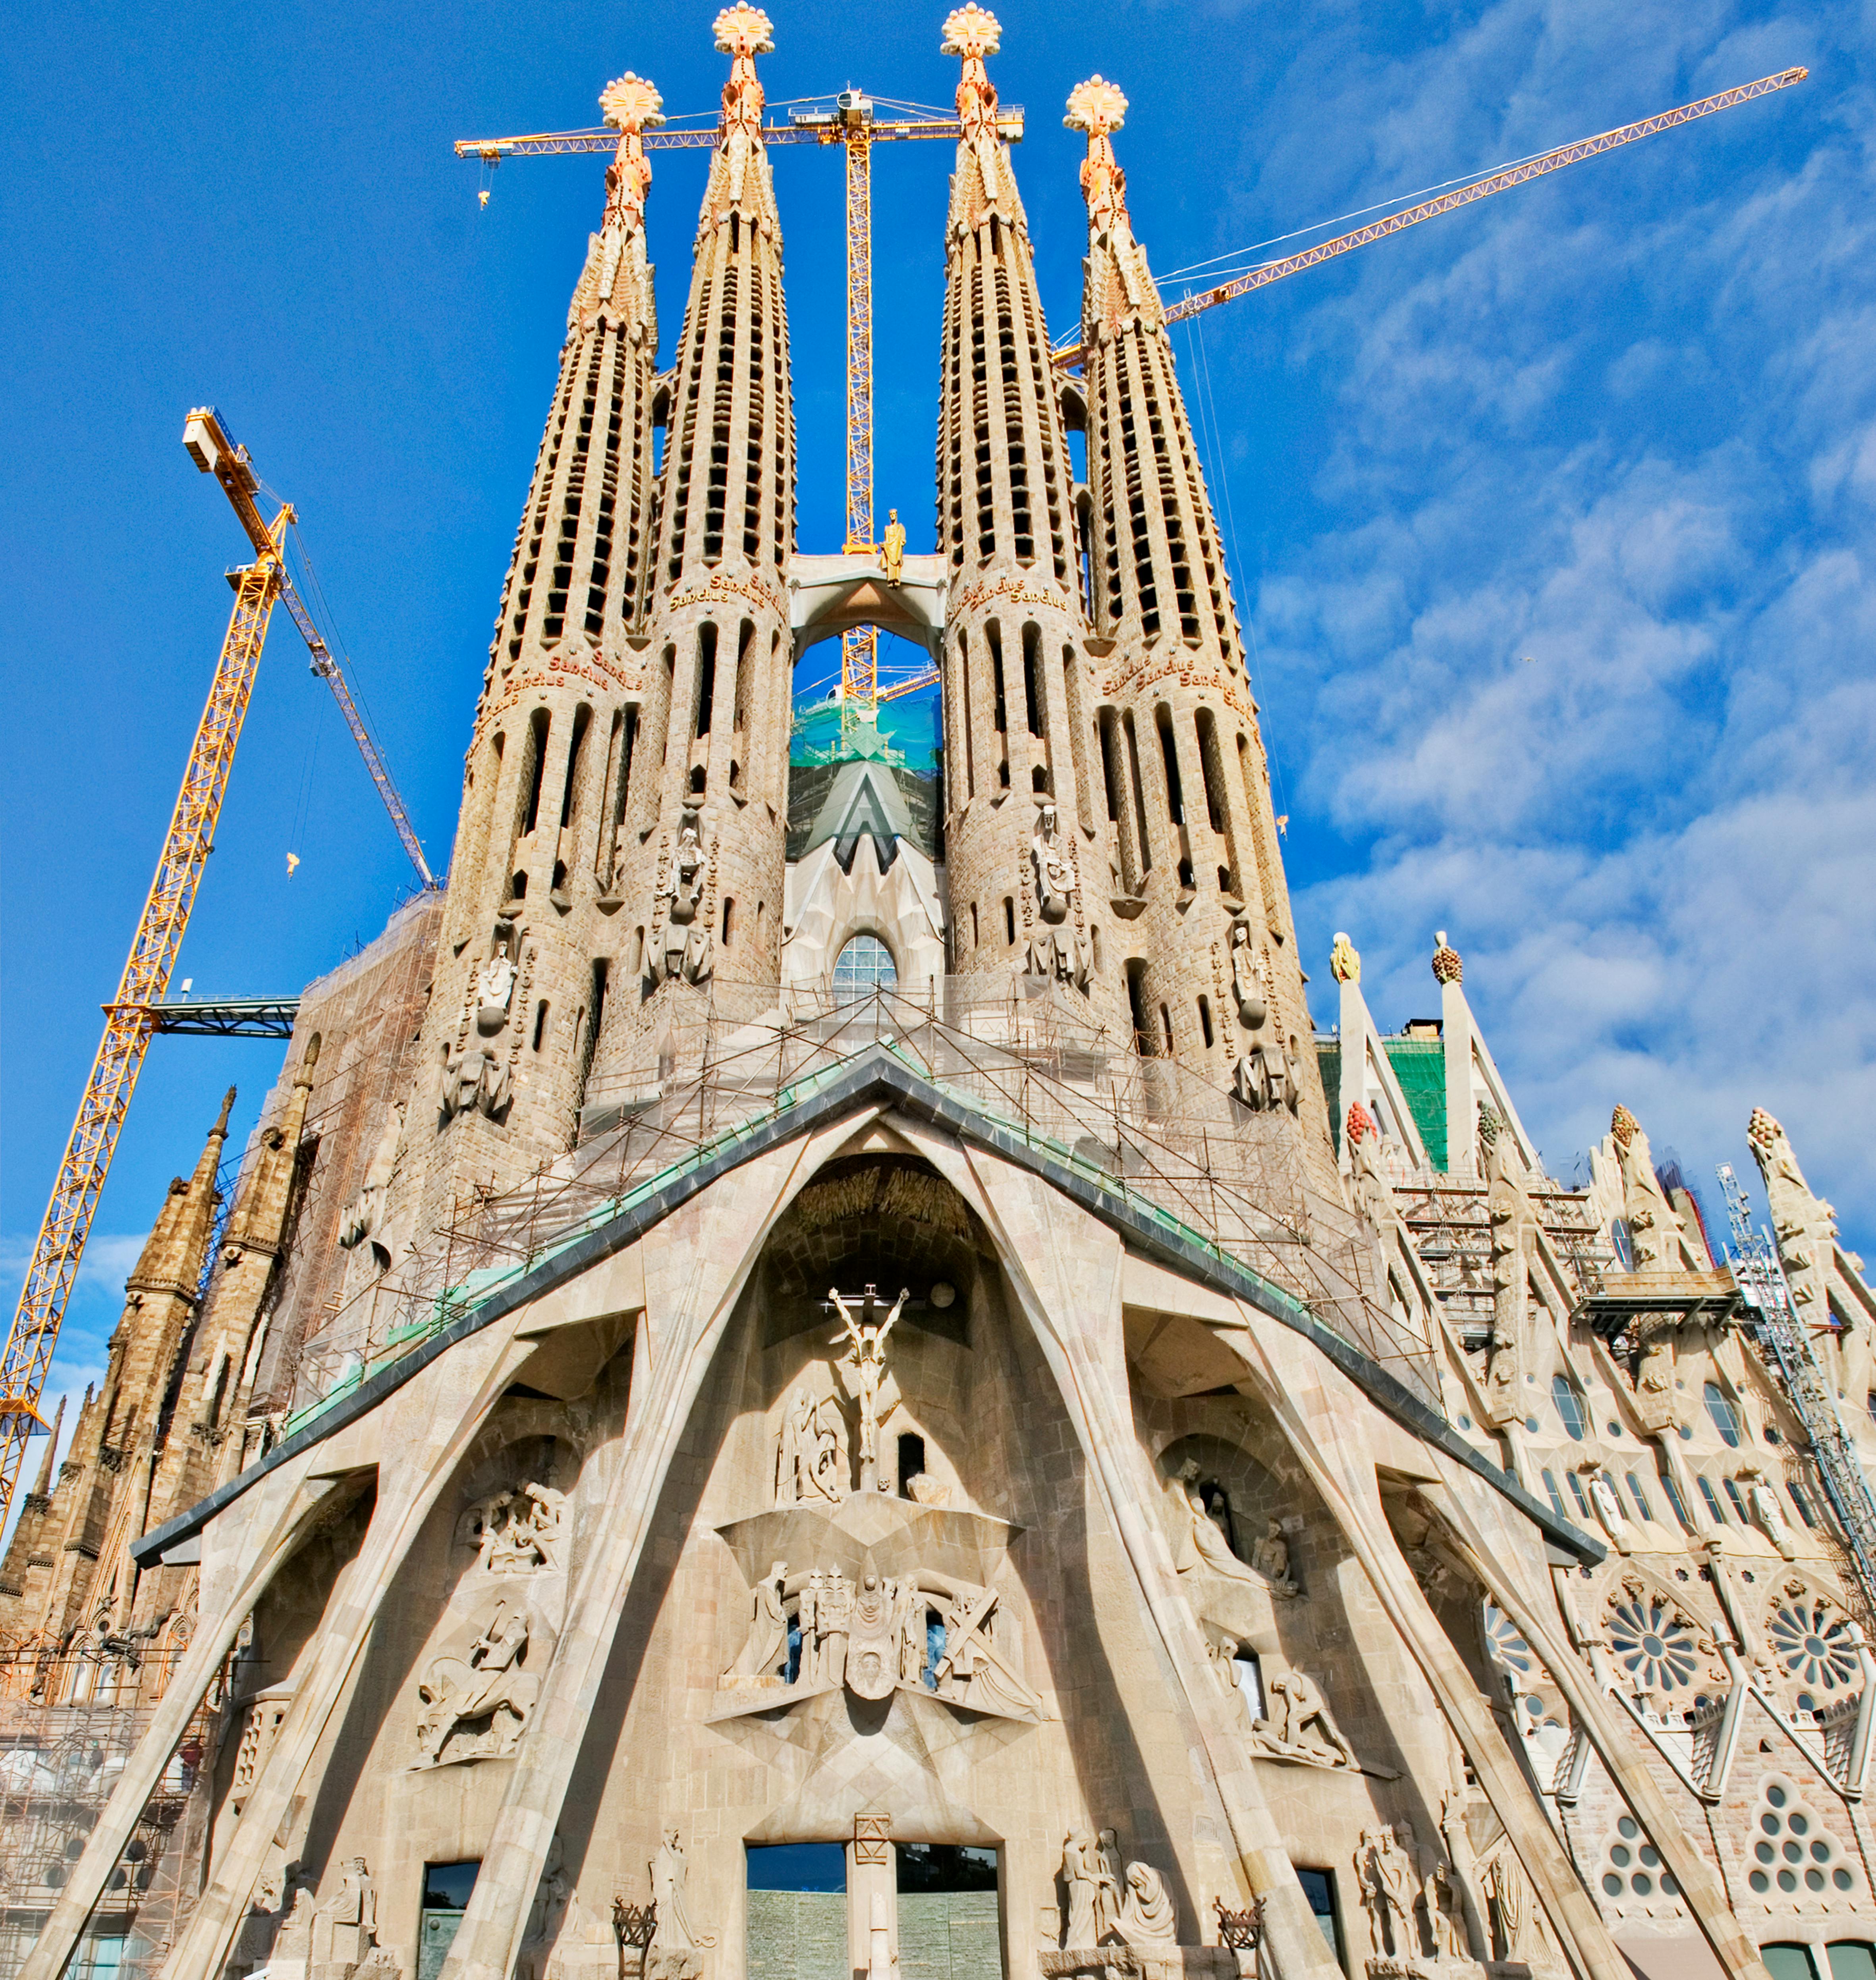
(814,1371)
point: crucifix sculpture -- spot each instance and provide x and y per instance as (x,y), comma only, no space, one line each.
(865,1335)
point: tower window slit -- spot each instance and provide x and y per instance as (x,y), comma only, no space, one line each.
(534,770)
(1139,794)
(706,676)
(583,721)
(1169,751)
(1137,1008)
(1031,677)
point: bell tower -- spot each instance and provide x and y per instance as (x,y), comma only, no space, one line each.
(1023,862)
(1213,979)
(702,868)
(530,936)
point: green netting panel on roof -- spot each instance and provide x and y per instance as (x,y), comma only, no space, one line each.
(1329,1058)
(1420,1066)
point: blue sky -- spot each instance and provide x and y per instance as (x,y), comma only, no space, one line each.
(1552,521)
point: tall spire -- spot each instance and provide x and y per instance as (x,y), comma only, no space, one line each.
(529,938)
(1213,977)
(700,875)
(1026,877)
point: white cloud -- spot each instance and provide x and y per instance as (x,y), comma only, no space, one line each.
(1639,448)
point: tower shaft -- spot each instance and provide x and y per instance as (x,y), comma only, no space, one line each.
(1022,859)
(1214,980)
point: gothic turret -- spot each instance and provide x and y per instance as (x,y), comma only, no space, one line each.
(702,870)
(77,1575)
(1213,978)
(200,1445)
(1024,865)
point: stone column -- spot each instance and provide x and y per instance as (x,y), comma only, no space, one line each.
(430,1441)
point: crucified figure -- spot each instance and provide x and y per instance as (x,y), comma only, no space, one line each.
(866,1336)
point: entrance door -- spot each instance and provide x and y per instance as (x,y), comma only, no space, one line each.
(948,1919)
(446,1897)
(797,1911)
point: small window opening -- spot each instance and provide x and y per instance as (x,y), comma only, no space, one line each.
(1569,1407)
(540,1022)
(537,769)
(1168,752)
(1725,1415)
(1137,1008)
(1166,1025)
(1009,921)
(1205,1021)
(729,920)
(706,676)
(911,1462)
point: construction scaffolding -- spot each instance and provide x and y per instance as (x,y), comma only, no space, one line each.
(1022,1054)
(69,1720)
(1447,1219)
(1785,1343)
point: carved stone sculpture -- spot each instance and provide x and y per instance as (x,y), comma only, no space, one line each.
(1106,1904)
(1081,1874)
(1608,1509)
(670,1881)
(1147,1921)
(759,1661)
(1384,1875)
(335,1939)
(475,1080)
(687,872)
(1767,1510)
(1271,1557)
(811,1455)
(1262,1078)
(494,990)
(1344,962)
(491,1684)
(1203,1547)
(1297,1707)
(359,1218)
(865,1336)
(893,548)
(1054,867)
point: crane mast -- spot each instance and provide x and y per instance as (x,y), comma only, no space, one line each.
(128,1021)
(139,1010)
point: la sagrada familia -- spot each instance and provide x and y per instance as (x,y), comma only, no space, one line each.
(816,1371)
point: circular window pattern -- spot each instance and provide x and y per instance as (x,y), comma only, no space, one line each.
(1654,1642)
(1813,1641)
(1634,1866)
(1507,1648)
(1794,1853)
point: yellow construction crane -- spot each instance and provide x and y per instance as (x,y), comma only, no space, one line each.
(1068,353)
(852,122)
(130,1017)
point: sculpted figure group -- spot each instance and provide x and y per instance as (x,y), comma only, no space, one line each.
(1107,1906)
(816,1630)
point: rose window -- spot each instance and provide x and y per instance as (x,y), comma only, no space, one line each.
(1814,1643)
(1654,1643)
(1506,1646)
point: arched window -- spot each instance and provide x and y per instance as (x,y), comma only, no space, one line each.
(864,965)
(1724,1415)
(1569,1407)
